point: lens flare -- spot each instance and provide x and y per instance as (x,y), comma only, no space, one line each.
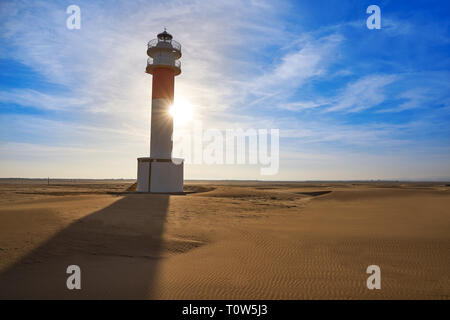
(181,111)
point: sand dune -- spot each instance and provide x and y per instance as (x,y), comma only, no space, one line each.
(225,240)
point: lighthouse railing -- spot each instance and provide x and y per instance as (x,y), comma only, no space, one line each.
(175,63)
(176,45)
(161,43)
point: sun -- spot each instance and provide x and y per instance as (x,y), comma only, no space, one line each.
(181,111)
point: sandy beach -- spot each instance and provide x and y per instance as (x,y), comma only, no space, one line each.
(225,240)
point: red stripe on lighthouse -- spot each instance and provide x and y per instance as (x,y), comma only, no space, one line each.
(163,83)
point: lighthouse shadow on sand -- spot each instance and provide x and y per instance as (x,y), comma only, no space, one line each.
(117,248)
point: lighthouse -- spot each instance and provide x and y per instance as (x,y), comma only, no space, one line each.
(160,172)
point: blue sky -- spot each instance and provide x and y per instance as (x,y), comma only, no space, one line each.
(350,103)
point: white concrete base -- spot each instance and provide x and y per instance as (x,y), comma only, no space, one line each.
(160,175)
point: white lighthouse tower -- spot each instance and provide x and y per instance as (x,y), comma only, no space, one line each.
(160,172)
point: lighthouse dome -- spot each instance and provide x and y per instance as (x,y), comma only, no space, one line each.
(164,36)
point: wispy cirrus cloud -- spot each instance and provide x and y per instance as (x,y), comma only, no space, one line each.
(309,60)
(36,99)
(364,93)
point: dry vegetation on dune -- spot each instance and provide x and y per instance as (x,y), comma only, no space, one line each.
(225,240)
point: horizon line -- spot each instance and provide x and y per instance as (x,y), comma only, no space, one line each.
(437,180)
